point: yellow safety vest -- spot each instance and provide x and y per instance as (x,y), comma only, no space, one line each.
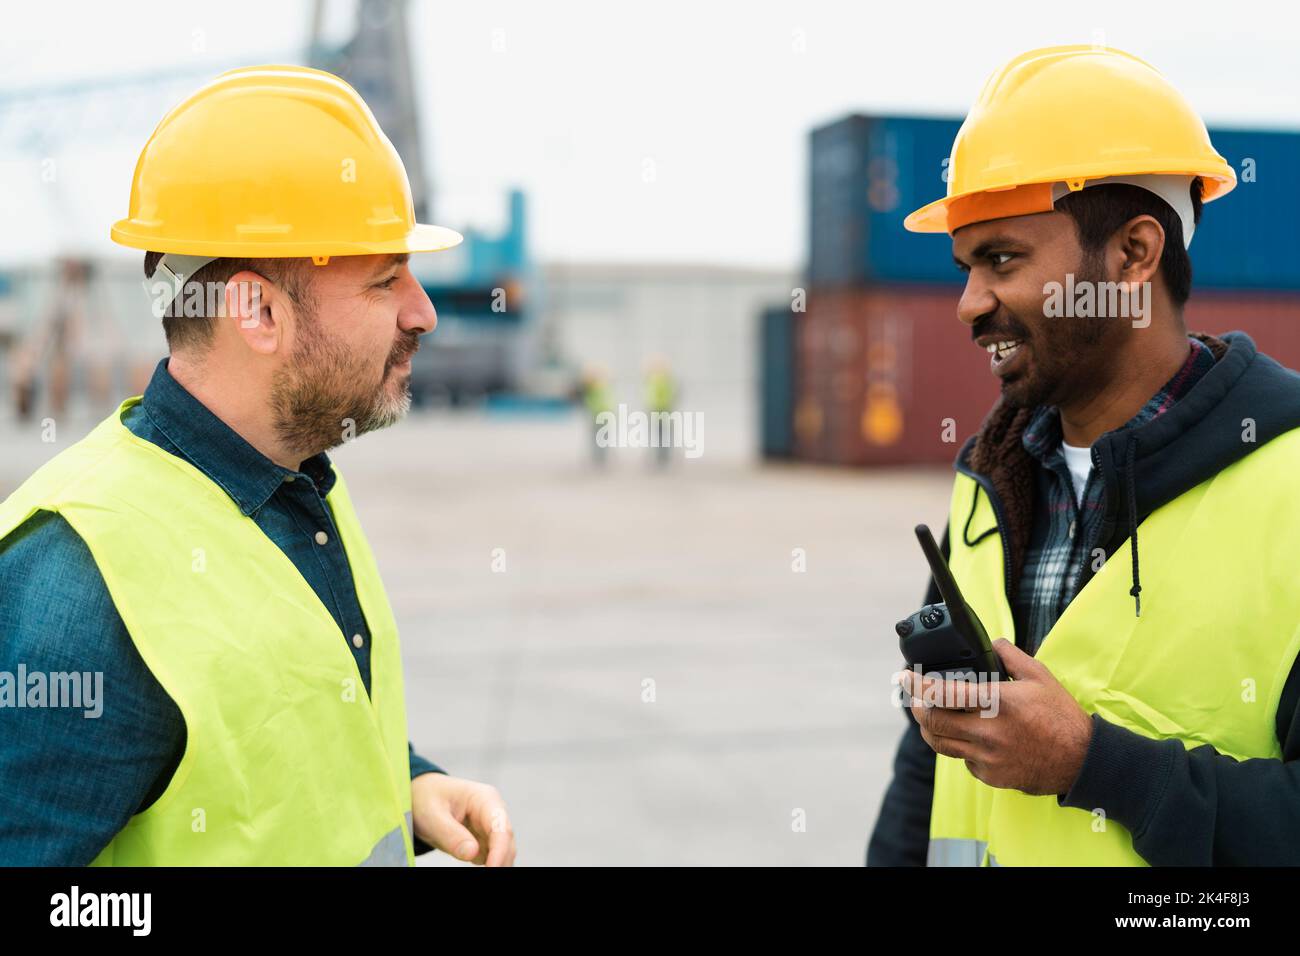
(660,392)
(287,761)
(1205,663)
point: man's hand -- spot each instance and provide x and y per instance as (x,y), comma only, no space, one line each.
(463,818)
(1037,740)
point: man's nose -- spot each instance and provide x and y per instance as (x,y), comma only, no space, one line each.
(977,300)
(417,313)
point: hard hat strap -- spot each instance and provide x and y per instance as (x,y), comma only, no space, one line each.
(177,268)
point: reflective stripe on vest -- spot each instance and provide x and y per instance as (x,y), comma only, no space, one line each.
(391,849)
(287,759)
(949,851)
(1205,663)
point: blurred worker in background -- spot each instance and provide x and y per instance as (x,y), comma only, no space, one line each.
(198,549)
(660,399)
(597,399)
(1153,715)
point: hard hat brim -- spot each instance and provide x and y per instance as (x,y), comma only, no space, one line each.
(422,237)
(933,216)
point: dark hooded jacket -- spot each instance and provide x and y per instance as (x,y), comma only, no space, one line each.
(1183,807)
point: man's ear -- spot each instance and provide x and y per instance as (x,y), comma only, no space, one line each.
(250,302)
(1141,244)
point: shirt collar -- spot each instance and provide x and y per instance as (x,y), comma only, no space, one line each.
(1042,435)
(217,450)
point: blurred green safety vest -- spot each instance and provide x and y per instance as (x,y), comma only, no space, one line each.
(661,392)
(287,761)
(1205,663)
(597,399)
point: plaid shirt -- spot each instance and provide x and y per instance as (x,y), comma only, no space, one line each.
(1063,538)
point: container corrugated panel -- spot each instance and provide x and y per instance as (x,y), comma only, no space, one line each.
(837,205)
(868,173)
(1272,320)
(776,399)
(1248,239)
(887,376)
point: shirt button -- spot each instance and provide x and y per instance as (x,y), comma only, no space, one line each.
(321,537)
(288,478)
(1072,529)
(357,640)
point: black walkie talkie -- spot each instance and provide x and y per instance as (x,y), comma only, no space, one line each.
(947,638)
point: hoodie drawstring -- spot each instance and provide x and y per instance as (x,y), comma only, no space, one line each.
(1133,523)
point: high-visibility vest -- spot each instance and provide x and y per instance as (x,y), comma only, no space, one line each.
(660,392)
(287,760)
(1205,663)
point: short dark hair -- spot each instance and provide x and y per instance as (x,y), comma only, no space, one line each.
(1098,211)
(196,332)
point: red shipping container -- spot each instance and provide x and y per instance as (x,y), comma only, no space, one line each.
(889,374)
(1272,319)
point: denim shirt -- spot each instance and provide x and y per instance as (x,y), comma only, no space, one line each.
(69,782)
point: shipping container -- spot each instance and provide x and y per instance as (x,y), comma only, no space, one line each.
(867,173)
(776,382)
(889,375)
(1248,239)
(1272,320)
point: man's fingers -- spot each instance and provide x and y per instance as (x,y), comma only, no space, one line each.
(947,694)
(943,722)
(949,746)
(493,823)
(499,848)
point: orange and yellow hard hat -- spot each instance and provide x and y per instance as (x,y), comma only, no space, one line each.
(1058,118)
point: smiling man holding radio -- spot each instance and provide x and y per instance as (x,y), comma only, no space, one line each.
(1152,714)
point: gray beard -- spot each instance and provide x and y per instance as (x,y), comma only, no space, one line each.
(318,404)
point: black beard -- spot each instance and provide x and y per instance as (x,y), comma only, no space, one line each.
(1063,350)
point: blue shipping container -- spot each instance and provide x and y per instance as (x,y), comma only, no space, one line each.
(868,172)
(776,382)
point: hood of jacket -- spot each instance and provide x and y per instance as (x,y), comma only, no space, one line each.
(1145,467)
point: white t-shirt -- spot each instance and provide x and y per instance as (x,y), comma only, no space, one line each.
(1079,461)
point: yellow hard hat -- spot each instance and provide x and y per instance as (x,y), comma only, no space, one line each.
(271,162)
(1068,115)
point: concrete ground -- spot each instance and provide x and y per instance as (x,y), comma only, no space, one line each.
(643,675)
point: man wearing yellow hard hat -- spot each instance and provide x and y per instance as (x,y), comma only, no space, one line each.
(199,549)
(1124,519)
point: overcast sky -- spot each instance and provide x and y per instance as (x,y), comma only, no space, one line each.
(571,101)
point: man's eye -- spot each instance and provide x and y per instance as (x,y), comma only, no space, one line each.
(1001,258)
(388,283)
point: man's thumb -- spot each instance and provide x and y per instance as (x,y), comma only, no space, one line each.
(450,837)
(1019,665)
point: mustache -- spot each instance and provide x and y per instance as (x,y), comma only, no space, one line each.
(1004,330)
(405,347)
